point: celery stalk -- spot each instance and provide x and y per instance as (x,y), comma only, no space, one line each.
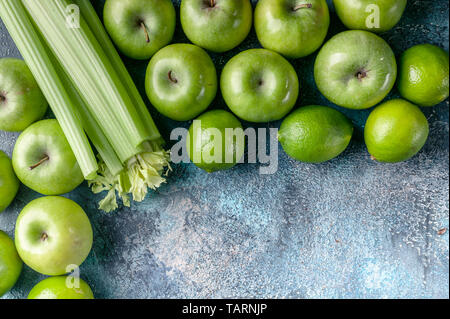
(109,93)
(154,157)
(91,127)
(92,19)
(84,60)
(35,55)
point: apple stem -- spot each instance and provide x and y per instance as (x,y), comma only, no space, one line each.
(171,78)
(373,158)
(212,3)
(44,236)
(303,6)
(147,36)
(2,98)
(46,158)
(361,75)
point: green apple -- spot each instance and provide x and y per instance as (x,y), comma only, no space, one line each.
(395,131)
(43,160)
(211,145)
(216,25)
(370,15)
(315,134)
(10,264)
(9,184)
(21,100)
(424,75)
(259,85)
(61,287)
(294,28)
(140,28)
(355,69)
(181,81)
(52,234)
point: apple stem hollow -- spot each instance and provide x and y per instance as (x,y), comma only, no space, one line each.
(46,158)
(303,6)
(2,98)
(144,27)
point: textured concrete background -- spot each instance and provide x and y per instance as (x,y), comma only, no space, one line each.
(349,228)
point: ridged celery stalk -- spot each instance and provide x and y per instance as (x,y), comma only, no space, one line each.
(35,55)
(89,68)
(95,134)
(111,100)
(92,19)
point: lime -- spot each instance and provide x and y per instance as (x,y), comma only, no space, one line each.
(423,75)
(211,143)
(395,131)
(315,134)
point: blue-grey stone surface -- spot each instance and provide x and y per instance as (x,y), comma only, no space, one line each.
(348,228)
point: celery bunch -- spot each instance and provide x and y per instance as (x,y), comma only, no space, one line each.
(90,91)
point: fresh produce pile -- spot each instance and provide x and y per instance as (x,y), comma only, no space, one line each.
(104,133)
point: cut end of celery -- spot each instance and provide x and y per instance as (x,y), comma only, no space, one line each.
(144,171)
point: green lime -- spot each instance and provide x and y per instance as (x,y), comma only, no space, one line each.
(395,131)
(212,144)
(315,134)
(424,75)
